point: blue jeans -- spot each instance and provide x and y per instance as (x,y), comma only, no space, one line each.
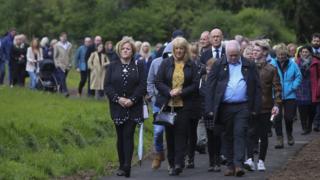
(157,131)
(2,71)
(33,79)
(158,138)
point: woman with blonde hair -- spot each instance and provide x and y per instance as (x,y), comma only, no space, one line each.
(34,56)
(177,81)
(18,61)
(290,78)
(145,56)
(248,52)
(125,86)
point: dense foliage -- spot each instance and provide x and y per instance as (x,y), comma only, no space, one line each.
(154,20)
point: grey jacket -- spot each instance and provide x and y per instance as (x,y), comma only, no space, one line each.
(151,88)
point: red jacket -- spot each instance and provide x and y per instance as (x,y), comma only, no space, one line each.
(315,79)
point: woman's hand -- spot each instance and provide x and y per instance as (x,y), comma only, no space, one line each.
(125,102)
(128,103)
(175,92)
(122,101)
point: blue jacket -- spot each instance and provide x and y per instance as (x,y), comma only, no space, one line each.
(290,78)
(80,58)
(6,45)
(1,52)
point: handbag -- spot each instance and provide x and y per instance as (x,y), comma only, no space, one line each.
(165,118)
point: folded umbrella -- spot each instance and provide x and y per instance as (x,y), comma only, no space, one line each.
(140,145)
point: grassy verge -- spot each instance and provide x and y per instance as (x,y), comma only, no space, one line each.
(43,135)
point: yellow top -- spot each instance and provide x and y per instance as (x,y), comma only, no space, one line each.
(177,83)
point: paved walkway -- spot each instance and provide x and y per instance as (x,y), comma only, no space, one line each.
(274,161)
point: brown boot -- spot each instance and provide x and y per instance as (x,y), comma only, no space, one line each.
(162,157)
(279,144)
(156,162)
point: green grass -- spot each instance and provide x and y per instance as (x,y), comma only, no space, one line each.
(73,79)
(44,135)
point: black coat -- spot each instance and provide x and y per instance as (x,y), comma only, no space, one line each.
(16,53)
(205,56)
(135,89)
(164,83)
(198,102)
(112,55)
(217,83)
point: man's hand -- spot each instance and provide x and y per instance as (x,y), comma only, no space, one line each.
(78,70)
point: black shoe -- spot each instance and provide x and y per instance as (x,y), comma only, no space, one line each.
(214,168)
(171,171)
(316,129)
(270,134)
(120,172)
(175,171)
(211,168)
(178,170)
(190,164)
(127,171)
(223,160)
(306,132)
(201,149)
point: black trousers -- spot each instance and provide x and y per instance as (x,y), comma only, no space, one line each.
(18,74)
(83,80)
(125,143)
(91,93)
(259,128)
(234,118)
(290,108)
(307,113)
(214,144)
(192,137)
(176,137)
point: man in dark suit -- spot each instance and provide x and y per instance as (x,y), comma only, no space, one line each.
(217,51)
(233,96)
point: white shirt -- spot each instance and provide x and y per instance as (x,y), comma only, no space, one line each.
(214,52)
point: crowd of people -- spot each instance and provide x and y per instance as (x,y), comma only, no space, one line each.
(227,96)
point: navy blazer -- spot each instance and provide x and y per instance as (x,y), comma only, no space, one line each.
(205,56)
(218,80)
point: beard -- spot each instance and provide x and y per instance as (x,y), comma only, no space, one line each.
(316,46)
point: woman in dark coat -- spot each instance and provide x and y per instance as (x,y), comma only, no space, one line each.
(125,85)
(304,94)
(177,82)
(18,62)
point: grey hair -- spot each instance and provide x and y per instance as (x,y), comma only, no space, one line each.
(233,44)
(44,41)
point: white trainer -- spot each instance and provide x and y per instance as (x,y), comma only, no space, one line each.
(261,166)
(249,165)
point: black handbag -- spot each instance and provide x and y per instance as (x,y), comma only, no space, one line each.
(165,118)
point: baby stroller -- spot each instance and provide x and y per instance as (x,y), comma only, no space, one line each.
(46,78)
